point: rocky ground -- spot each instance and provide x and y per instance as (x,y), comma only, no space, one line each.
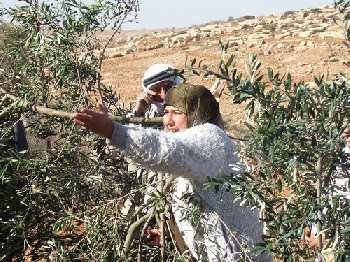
(305,43)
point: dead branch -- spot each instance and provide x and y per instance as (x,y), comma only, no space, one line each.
(69,115)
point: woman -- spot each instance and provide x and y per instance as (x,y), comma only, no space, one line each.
(194,149)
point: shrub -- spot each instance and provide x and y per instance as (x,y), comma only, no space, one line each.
(63,200)
(288,13)
(316,11)
(270,27)
(293,150)
(74,198)
(248,17)
(247,27)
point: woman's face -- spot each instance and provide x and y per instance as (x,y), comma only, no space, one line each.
(174,120)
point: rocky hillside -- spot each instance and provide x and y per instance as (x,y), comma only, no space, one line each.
(305,43)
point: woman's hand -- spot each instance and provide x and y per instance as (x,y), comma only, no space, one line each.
(154,235)
(97,122)
(311,239)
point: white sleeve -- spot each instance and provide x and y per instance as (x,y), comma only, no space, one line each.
(194,153)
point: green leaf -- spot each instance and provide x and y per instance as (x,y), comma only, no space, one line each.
(195,72)
(229,62)
(193,62)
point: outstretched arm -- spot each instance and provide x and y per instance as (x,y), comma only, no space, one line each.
(97,121)
(194,153)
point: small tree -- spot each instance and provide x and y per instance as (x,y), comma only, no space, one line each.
(293,151)
(68,202)
(59,198)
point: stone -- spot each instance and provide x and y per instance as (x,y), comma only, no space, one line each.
(305,34)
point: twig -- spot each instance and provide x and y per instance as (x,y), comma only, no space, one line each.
(132,230)
(4,97)
(168,183)
(162,218)
(319,202)
(141,207)
(8,109)
(115,31)
(162,236)
(143,232)
(233,235)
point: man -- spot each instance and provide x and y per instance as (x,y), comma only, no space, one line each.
(156,82)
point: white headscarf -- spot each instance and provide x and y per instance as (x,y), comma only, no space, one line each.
(158,73)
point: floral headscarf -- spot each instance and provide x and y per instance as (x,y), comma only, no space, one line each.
(196,102)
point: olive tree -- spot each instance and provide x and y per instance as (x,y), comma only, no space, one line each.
(65,200)
(293,154)
(60,199)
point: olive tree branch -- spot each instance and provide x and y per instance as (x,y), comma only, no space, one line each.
(69,115)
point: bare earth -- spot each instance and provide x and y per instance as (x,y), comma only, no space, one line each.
(306,44)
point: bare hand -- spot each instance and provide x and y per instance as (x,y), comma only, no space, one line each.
(311,239)
(154,236)
(97,122)
(144,101)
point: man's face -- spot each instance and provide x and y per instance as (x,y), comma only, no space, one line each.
(160,90)
(174,120)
